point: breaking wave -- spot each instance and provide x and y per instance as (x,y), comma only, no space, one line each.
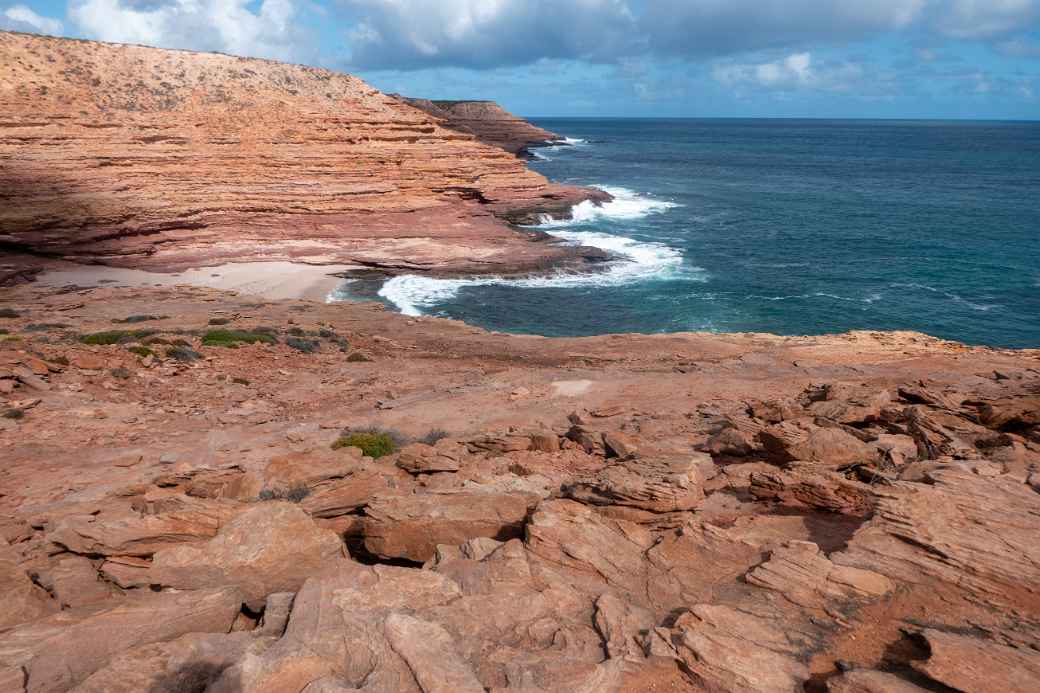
(635,261)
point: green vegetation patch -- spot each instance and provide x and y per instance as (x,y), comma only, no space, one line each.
(140,318)
(142,351)
(115,336)
(432,436)
(182,353)
(45,326)
(307,346)
(373,442)
(232,338)
(293,494)
(9,313)
(120,373)
(14,414)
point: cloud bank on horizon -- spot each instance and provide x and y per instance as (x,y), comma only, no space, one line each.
(967,58)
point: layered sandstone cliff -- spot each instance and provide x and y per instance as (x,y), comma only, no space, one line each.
(145,157)
(488,122)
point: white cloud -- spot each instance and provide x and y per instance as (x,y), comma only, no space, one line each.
(795,71)
(211,25)
(485,33)
(984,18)
(21,18)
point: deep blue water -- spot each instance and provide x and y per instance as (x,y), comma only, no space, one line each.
(784,226)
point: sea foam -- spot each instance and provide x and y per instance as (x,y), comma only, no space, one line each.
(635,260)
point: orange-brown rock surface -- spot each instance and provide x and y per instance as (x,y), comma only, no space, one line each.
(686,512)
(488,122)
(137,156)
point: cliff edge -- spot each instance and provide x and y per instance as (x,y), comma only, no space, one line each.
(488,122)
(143,157)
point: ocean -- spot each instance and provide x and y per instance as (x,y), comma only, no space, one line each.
(786,226)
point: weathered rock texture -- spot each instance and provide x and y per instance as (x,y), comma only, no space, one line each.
(488,122)
(145,157)
(856,513)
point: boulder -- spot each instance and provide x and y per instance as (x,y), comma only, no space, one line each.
(20,600)
(729,442)
(430,653)
(802,440)
(411,526)
(619,444)
(75,582)
(95,633)
(871,681)
(967,663)
(272,547)
(337,497)
(121,531)
(189,663)
(337,633)
(657,485)
(425,459)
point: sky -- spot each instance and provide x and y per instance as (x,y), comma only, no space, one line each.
(632,58)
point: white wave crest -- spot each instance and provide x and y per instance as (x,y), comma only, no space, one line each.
(574,141)
(635,261)
(626,205)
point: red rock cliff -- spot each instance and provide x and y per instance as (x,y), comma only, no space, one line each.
(488,122)
(146,157)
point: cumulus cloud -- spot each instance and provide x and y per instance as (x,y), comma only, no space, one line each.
(210,25)
(403,34)
(21,18)
(984,18)
(718,27)
(796,71)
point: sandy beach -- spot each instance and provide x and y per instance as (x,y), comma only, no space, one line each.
(271,280)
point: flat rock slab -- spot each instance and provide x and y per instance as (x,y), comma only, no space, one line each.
(412,526)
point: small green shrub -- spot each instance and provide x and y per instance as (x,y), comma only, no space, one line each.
(153,341)
(14,414)
(182,353)
(326,333)
(44,326)
(232,338)
(307,346)
(220,321)
(120,373)
(114,336)
(296,331)
(433,435)
(357,357)
(142,351)
(374,442)
(9,313)
(294,494)
(141,318)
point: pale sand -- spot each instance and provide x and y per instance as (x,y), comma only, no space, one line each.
(271,280)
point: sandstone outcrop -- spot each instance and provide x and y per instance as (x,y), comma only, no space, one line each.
(868,524)
(136,156)
(488,122)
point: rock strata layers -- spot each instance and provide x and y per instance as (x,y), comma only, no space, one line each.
(142,157)
(488,122)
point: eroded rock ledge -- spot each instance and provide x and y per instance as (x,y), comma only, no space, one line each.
(689,512)
(488,122)
(142,157)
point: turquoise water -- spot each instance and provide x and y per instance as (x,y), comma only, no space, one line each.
(791,227)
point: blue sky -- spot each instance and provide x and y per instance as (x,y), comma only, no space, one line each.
(698,58)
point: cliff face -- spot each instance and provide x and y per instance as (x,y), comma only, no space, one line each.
(488,122)
(139,156)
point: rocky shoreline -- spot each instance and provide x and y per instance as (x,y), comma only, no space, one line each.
(212,483)
(684,512)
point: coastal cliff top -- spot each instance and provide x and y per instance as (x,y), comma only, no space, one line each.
(677,512)
(140,156)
